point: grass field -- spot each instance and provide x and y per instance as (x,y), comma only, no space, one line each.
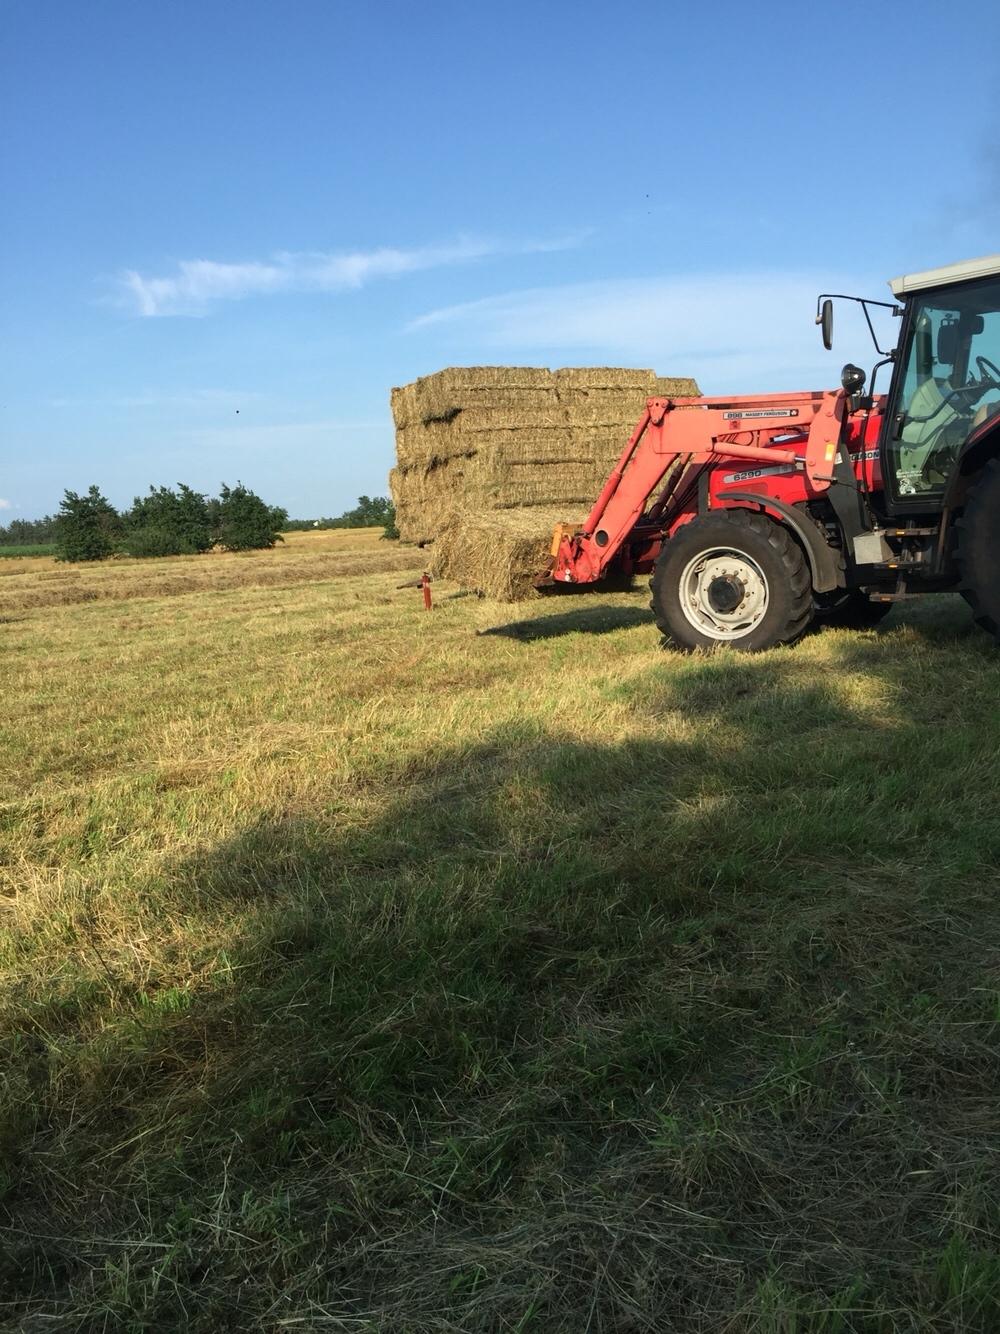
(27,549)
(490,969)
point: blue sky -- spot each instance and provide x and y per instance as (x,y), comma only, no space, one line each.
(229,228)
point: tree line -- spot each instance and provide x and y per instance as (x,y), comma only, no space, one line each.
(28,532)
(177,522)
(166,522)
(369,512)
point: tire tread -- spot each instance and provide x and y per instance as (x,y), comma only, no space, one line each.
(978,546)
(787,551)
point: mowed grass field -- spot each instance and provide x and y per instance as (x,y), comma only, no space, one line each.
(491,969)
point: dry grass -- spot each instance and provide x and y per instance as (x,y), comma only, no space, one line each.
(367,969)
(301,558)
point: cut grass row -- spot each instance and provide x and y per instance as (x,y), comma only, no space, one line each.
(494,970)
(301,558)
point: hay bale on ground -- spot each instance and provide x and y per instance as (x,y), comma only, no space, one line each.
(497,554)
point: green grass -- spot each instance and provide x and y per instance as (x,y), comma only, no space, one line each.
(493,969)
(28,549)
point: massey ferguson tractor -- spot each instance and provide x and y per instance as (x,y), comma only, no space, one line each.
(755,515)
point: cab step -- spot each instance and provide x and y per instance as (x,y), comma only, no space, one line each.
(899,593)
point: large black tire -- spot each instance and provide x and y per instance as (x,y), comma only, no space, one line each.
(855,611)
(713,561)
(979,549)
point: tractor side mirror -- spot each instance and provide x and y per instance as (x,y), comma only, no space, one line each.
(825,320)
(947,343)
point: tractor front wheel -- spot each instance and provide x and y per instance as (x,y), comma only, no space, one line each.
(978,548)
(733,577)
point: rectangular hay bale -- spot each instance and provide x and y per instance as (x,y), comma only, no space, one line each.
(499,439)
(497,555)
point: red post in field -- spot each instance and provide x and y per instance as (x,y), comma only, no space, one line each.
(425,584)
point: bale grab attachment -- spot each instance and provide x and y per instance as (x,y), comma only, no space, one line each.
(674,440)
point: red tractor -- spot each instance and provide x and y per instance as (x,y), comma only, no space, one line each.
(755,515)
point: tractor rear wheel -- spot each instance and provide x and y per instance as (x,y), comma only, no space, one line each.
(733,577)
(979,549)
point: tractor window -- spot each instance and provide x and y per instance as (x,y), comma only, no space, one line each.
(951,383)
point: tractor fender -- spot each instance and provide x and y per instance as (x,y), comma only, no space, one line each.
(824,562)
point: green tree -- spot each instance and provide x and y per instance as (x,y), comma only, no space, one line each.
(244,522)
(169,523)
(369,512)
(373,511)
(87,527)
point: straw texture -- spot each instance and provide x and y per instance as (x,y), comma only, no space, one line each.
(489,458)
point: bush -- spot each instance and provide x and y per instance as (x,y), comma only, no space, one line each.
(243,522)
(87,527)
(166,523)
(156,541)
(169,523)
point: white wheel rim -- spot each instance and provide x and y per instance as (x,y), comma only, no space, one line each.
(723,593)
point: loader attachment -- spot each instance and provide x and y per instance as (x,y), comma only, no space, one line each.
(562,532)
(673,442)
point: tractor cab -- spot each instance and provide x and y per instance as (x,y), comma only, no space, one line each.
(944,399)
(945,394)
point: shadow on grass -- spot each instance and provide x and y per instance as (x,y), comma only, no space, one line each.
(685,1030)
(584,620)
(940,618)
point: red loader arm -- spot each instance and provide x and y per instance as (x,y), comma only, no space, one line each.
(674,440)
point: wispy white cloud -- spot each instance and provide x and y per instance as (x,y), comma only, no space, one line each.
(5,504)
(198,283)
(733,332)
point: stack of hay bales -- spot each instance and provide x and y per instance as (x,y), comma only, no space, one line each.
(490,458)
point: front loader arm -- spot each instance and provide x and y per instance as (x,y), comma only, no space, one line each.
(675,439)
